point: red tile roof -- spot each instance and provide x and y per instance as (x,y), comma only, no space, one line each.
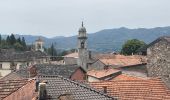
(121,60)
(9,86)
(12,76)
(151,89)
(102,73)
(127,77)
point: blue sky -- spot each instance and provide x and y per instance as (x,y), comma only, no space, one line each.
(63,17)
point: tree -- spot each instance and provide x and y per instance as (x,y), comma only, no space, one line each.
(18,46)
(23,43)
(19,40)
(0,38)
(12,39)
(131,46)
(8,40)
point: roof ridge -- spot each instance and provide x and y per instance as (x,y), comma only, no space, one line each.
(79,84)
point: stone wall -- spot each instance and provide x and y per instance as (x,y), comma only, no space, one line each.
(158,58)
(98,65)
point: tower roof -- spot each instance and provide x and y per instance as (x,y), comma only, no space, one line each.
(82,28)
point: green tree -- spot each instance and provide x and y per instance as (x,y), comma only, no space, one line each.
(8,40)
(12,39)
(23,43)
(131,46)
(19,40)
(0,38)
(18,46)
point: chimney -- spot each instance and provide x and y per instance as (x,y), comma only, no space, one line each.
(105,89)
(42,91)
(36,85)
(33,71)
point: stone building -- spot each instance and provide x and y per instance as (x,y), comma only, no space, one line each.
(158,58)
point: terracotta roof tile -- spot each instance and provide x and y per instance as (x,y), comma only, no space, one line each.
(12,76)
(9,86)
(150,89)
(102,73)
(127,77)
(121,60)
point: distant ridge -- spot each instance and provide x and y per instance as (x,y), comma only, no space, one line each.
(106,40)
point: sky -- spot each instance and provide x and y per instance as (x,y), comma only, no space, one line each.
(52,18)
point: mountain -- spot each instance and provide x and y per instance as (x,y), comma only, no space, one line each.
(106,40)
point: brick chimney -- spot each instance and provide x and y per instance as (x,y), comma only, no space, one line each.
(33,71)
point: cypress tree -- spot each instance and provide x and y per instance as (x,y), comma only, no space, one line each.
(19,40)
(23,43)
(12,39)
(8,40)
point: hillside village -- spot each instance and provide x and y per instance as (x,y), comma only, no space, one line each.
(85,75)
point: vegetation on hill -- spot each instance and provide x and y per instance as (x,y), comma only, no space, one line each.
(11,42)
(107,40)
(131,46)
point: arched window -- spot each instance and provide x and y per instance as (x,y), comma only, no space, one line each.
(82,44)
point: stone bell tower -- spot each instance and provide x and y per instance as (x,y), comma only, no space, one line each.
(82,48)
(39,45)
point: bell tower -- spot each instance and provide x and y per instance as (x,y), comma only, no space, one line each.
(82,47)
(39,45)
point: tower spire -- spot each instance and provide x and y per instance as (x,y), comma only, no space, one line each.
(82,24)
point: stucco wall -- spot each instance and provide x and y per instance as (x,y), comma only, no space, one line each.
(70,60)
(4,72)
(92,79)
(5,65)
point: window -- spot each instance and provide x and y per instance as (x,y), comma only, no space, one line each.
(82,45)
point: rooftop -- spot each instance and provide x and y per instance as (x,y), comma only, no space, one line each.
(12,76)
(10,86)
(102,73)
(51,69)
(138,89)
(58,86)
(8,55)
(48,69)
(123,61)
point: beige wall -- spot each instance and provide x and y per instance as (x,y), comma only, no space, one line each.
(92,79)
(5,65)
(4,72)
